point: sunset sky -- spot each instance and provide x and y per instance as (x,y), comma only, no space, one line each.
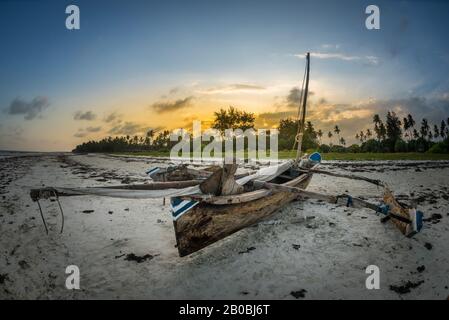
(136,65)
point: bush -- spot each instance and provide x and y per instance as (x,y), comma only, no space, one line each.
(400,146)
(440,147)
(371,146)
(338,148)
(311,150)
(353,148)
(324,148)
(285,143)
(421,145)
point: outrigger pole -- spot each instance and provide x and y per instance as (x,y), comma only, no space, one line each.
(301,121)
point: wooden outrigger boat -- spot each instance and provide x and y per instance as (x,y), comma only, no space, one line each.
(211,204)
(215,217)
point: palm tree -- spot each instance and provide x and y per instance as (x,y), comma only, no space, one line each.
(443,129)
(357,136)
(377,121)
(382,131)
(368,133)
(436,132)
(337,131)
(319,134)
(150,134)
(362,136)
(329,134)
(342,141)
(411,123)
(424,128)
(415,134)
(406,126)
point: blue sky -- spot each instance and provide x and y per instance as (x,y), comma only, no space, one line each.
(131,55)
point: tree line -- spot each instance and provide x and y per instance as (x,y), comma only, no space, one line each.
(389,135)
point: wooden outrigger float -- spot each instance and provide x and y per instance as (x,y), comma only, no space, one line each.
(210,204)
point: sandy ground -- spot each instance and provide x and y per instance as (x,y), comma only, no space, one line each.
(311,247)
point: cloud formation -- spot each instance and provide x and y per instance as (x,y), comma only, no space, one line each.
(168,106)
(128,128)
(93,129)
(113,117)
(85,132)
(271,119)
(232,88)
(80,134)
(369,59)
(355,116)
(87,115)
(30,110)
(292,100)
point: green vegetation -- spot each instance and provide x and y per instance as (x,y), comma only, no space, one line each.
(390,139)
(373,156)
(327,156)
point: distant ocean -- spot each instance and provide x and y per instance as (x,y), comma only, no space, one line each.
(8,154)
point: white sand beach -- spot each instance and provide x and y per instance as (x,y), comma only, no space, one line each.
(308,245)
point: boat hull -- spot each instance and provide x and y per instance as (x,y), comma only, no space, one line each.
(207,223)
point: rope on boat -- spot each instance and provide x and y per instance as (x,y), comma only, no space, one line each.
(298,136)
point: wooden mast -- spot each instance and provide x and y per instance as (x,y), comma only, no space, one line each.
(301,123)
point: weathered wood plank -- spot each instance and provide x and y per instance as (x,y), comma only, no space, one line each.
(207,223)
(347,176)
(397,209)
(244,197)
(228,184)
(155,185)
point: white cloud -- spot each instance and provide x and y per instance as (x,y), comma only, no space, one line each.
(330,46)
(232,88)
(373,60)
